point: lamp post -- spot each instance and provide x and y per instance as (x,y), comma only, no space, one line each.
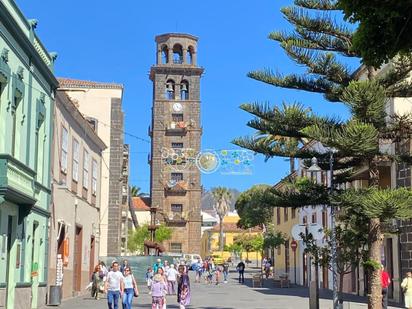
(315,168)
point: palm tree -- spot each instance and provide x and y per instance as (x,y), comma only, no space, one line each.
(135,192)
(222,198)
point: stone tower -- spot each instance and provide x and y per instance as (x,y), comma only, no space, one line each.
(176,135)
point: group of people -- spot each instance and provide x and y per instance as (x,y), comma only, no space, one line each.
(162,279)
(117,282)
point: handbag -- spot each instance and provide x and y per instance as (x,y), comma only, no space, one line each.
(135,290)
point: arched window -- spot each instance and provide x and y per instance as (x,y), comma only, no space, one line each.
(184,90)
(165,54)
(170,90)
(189,55)
(177,54)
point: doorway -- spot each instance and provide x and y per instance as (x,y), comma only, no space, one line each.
(77,265)
(305,270)
(91,263)
(10,240)
(34,264)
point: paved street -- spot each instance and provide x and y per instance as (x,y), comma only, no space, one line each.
(228,296)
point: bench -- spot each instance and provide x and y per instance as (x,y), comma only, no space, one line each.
(257,280)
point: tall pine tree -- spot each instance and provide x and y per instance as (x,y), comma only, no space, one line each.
(318,43)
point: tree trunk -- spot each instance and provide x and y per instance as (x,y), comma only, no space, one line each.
(221,233)
(340,295)
(292,164)
(375,243)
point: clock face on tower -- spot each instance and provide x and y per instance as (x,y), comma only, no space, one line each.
(177,107)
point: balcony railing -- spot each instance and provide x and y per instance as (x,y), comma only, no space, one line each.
(176,218)
(177,127)
(176,187)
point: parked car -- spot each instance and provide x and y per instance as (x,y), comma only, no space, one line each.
(191,259)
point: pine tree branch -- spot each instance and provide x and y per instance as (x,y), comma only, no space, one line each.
(299,82)
(317,4)
(322,23)
(319,63)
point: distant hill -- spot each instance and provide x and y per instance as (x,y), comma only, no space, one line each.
(207,200)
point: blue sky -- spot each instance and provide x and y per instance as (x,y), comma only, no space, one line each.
(113,41)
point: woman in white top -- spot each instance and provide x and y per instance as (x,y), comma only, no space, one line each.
(130,288)
(171,280)
(407,289)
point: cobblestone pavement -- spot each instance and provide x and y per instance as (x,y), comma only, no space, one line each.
(228,296)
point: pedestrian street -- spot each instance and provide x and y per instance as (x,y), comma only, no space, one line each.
(228,296)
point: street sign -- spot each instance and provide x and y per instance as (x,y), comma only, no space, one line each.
(297,229)
(316,230)
(293,245)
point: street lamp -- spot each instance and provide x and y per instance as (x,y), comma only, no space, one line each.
(315,168)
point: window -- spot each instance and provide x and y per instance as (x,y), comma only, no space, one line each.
(177,176)
(403,169)
(14,125)
(176,207)
(305,220)
(325,219)
(86,163)
(177,54)
(177,145)
(64,149)
(76,158)
(184,90)
(278,215)
(177,117)
(176,247)
(285,214)
(94,177)
(165,55)
(314,218)
(170,90)
(293,213)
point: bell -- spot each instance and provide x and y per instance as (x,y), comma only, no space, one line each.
(169,87)
(184,87)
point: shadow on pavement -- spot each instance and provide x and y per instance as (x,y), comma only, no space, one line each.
(272,287)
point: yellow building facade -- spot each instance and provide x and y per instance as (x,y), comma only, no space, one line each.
(210,239)
(286,261)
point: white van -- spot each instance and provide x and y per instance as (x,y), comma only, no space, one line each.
(190,259)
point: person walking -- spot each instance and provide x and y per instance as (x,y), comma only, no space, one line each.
(97,281)
(183,289)
(166,266)
(130,288)
(385,281)
(171,274)
(158,287)
(125,264)
(114,286)
(241,269)
(225,271)
(149,278)
(157,265)
(406,286)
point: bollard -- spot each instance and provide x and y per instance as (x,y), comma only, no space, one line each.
(55,295)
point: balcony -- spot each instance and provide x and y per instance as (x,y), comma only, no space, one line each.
(17,182)
(176,218)
(177,128)
(174,187)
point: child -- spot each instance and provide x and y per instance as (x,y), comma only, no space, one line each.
(157,288)
(149,279)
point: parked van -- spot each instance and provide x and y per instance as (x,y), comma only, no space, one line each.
(191,259)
